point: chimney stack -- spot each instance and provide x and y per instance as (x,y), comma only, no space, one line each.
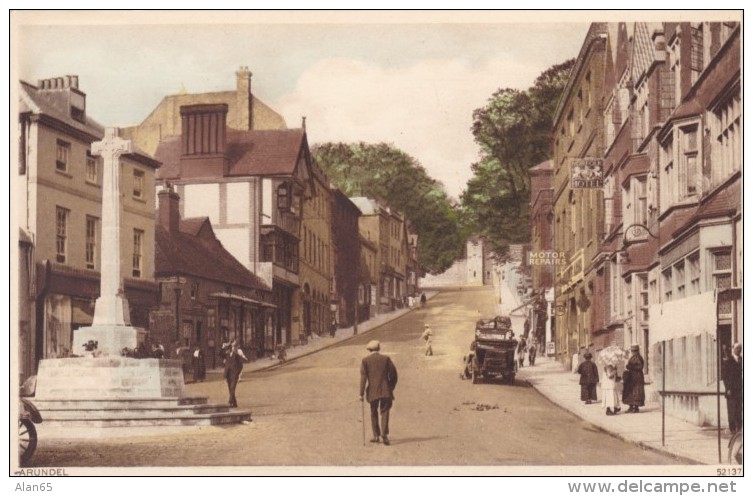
(243,100)
(169,209)
(203,139)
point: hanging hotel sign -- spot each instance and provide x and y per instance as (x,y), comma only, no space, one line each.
(587,173)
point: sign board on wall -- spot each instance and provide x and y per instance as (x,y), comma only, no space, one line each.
(550,348)
(587,173)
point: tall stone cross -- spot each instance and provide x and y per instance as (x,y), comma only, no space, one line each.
(111,307)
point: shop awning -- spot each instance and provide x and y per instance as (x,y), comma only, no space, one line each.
(242,299)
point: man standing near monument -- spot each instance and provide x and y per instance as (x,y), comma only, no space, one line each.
(378,381)
(233,368)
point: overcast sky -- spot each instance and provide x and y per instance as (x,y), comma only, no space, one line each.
(412,82)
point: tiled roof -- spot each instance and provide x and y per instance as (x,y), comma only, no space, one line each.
(193,225)
(183,252)
(269,152)
(643,50)
(249,153)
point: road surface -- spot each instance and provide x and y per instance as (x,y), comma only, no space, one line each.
(307,412)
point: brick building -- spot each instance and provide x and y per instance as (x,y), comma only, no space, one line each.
(347,257)
(668,269)
(207,297)
(385,228)
(578,211)
(543,260)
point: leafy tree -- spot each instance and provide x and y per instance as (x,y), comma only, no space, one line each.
(513,132)
(385,173)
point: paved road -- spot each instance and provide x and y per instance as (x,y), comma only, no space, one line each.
(307,412)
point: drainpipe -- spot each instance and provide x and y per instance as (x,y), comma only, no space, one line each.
(39,340)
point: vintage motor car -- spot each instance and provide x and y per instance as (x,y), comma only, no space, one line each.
(492,351)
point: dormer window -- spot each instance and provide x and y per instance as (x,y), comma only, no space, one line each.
(78,114)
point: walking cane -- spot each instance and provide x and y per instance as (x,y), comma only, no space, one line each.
(363,423)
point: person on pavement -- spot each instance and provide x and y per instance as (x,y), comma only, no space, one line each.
(234,359)
(532,354)
(378,381)
(199,366)
(521,352)
(633,393)
(732,375)
(610,390)
(589,378)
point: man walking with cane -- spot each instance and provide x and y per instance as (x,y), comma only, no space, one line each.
(378,380)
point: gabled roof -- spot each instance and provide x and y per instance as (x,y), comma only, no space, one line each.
(643,51)
(184,252)
(55,104)
(543,166)
(250,153)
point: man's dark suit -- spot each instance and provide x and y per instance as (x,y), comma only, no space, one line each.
(732,375)
(378,380)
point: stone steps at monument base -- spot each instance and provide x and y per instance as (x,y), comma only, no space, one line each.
(106,419)
(124,403)
(130,411)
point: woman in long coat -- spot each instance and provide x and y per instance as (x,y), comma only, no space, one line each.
(633,393)
(589,378)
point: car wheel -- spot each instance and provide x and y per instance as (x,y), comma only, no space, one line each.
(27,439)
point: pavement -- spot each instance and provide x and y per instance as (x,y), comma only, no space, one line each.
(318,343)
(683,440)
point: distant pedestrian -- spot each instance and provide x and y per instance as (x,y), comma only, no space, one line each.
(423,299)
(610,390)
(732,375)
(199,366)
(427,336)
(589,378)
(333,328)
(234,359)
(521,352)
(532,354)
(378,381)
(633,393)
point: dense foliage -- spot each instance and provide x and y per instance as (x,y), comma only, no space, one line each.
(385,173)
(513,132)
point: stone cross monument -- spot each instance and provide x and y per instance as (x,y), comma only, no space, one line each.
(111,328)
(111,307)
